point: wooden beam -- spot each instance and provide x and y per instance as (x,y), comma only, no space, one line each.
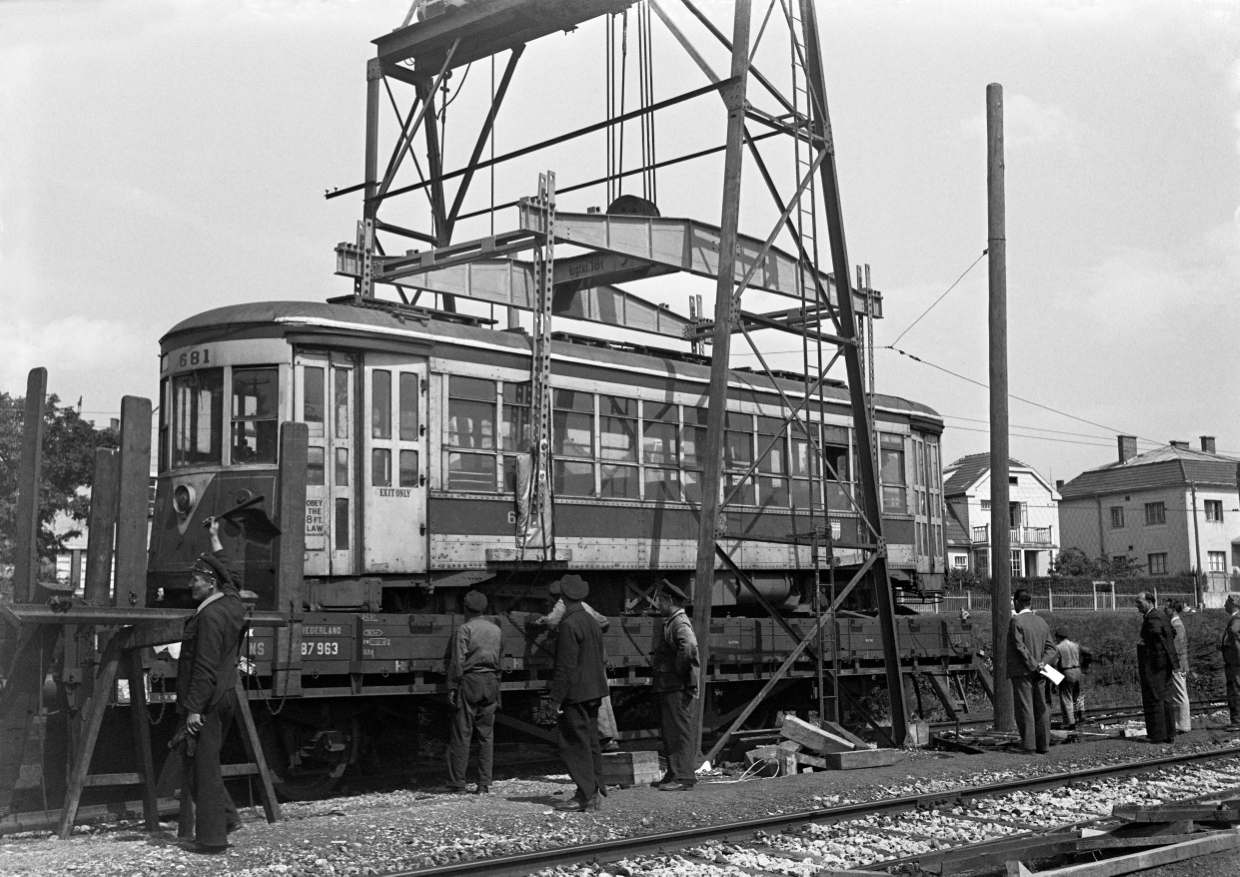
(26,539)
(132,500)
(1212,843)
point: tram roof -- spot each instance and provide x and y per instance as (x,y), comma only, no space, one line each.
(326,317)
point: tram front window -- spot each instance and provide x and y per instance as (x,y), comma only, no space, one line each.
(197,417)
(255,415)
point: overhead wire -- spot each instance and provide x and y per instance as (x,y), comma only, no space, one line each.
(941,297)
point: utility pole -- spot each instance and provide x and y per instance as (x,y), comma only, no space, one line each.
(1000,535)
(1201,573)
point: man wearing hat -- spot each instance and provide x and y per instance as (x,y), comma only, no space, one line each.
(578,687)
(607,730)
(1230,647)
(675,663)
(206,696)
(1071,702)
(472,666)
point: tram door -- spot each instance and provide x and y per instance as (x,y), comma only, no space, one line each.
(394,468)
(325,403)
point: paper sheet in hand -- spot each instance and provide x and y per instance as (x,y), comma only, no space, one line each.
(1052,674)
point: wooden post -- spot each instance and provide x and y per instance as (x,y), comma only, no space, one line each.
(1201,573)
(105,682)
(102,527)
(26,549)
(1000,535)
(140,722)
(132,499)
(720,366)
(290,578)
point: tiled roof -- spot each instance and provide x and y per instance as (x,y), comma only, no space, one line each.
(956,530)
(968,469)
(1162,467)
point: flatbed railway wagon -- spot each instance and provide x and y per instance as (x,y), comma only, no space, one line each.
(416,420)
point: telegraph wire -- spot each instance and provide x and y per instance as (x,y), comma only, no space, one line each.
(941,297)
(1014,396)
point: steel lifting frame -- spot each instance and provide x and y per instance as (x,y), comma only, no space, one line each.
(844,317)
(472,269)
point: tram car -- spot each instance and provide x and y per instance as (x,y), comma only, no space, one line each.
(416,420)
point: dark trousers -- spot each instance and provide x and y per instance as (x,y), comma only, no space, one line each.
(1071,702)
(579,746)
(1231,674)
(214,810)
(477,701)
(1033,718)
(676,715)
(1156,701)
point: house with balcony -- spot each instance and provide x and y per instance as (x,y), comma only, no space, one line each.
(1033,516)
(1171,510)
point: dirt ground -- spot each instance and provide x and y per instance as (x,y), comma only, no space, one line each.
(413,827)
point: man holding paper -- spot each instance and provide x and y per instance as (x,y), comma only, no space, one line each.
(1030,649)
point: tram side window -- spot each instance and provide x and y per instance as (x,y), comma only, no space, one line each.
(313,408)
(773,467)
(409,469)
(573,437)
(197,417)
(409,392)
(381,407)
(315,466)
(660,451)
(693,446)
(255,415)
(164,422)
(471,425)
(837,472)
(891,455)
(617,446)
(380,467)
(738,455)
(804,468)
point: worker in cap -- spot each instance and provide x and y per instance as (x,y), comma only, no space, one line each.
(472,666)
(1071,701)
(578,686)
(607,730)
(675,663)
(206,693)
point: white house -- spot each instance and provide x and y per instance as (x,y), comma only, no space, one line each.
(1172,510)
(1032,512)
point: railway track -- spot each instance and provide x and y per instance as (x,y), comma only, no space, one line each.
(932,826)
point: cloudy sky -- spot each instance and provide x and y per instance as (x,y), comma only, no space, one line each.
(161,158)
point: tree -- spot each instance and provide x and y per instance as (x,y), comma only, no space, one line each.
(1075,563)
(69,444)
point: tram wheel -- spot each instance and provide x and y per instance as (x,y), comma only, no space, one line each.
(307,760)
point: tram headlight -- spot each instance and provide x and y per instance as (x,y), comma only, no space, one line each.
(183,499)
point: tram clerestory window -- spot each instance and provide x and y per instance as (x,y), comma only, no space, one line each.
(255,415)
(197,417)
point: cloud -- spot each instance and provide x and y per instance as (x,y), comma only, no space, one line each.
(82,356)
(1026,122)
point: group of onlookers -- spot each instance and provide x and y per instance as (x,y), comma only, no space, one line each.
(1162,666)
(579,693)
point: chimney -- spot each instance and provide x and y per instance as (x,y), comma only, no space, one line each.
(1183,446)
(1127,447)
(1207,444)
(1059,484)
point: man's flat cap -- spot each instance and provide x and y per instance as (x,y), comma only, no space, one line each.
(210,564)
(574,587)
(1061,632)
(672,591)
(554,589)
(475,601)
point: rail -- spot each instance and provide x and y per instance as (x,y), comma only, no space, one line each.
(654,844)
